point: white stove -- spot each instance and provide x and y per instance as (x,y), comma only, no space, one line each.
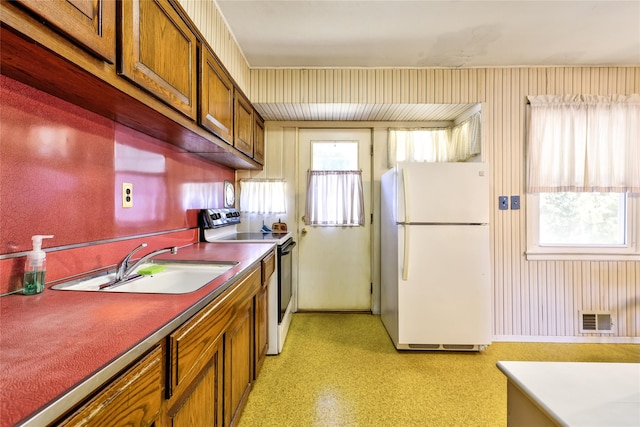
(220,225)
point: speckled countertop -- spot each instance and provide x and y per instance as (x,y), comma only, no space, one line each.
(58,346)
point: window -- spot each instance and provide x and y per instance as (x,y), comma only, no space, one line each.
(262,196)
(583,177)
(458,143)
(334,185)
(584,219)
(334,155)
(587,226)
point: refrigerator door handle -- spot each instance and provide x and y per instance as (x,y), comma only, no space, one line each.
(405,260)
(405,195)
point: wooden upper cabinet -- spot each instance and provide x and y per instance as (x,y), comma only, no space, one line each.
(216,97)
(159,52)
(90,23)
(243,125)
(258,138)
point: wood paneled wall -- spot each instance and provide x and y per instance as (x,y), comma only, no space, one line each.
(211,23)
(531,299)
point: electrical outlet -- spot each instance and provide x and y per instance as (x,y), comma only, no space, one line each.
(127,195)
(515,203)
(503,203)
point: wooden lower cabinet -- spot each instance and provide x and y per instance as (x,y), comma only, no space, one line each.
(133,399)
(238,363)
(211,359)
(262,329)
(199,375)
(203,404)
(261,313)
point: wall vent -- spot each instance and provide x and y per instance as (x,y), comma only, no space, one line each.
(591,322)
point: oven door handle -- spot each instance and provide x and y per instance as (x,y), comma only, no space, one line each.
(286,248)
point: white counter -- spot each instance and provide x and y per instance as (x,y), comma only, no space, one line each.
(572,394)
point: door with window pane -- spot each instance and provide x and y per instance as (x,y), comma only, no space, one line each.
(334,253)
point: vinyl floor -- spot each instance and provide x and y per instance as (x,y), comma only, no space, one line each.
(342,370)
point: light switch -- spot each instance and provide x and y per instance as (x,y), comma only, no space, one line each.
(515,202)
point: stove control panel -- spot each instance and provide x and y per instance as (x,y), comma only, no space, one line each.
(219,217)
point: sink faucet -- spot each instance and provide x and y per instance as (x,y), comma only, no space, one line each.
(124,269)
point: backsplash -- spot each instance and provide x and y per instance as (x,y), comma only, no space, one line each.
(61,173)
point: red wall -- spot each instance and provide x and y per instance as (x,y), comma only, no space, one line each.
(61,173)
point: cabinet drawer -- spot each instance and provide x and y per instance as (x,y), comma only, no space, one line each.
(133,399)
(268,267)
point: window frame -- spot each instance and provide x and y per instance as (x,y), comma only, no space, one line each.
(627,252)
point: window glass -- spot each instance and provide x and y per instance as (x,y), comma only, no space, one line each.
(582,219)
(334,155)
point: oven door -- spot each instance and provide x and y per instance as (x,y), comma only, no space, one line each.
(284,277)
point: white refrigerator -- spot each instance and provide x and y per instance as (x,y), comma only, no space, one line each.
(436,277)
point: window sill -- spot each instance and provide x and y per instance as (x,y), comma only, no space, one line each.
(580,256)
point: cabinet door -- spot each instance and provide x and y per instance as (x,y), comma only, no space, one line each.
(92,24)
(268,266)
(262,330)
(238,362)
(216,97)
(243,126)
(133,399)
(192,346)
(258,138)
(158,53)
(203,405)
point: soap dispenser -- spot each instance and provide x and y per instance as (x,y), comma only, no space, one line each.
(35,267)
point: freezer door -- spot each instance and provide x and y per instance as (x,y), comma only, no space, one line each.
(446,297)
(443,193)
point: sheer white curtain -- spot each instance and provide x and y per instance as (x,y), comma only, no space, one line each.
(334,198)
(263,196)
(451,144)
(418,145)
(584,143)
(465,140)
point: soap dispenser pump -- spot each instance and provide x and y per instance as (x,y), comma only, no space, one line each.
(35,267)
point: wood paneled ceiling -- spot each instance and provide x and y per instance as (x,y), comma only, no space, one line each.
(362,112)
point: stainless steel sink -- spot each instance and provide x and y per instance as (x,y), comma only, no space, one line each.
(177,278)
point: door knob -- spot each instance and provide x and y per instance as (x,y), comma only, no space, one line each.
(303,231)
